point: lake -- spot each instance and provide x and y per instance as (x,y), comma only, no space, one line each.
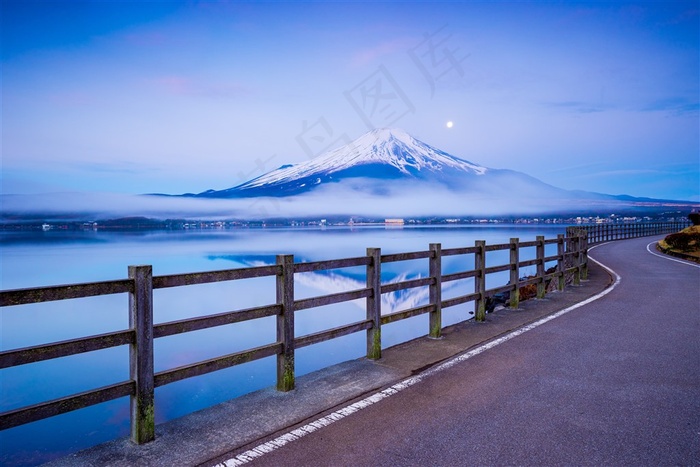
(53,257)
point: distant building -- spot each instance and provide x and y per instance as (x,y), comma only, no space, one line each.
(394,221)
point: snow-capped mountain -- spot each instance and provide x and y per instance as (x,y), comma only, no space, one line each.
(369,163)
(383,174)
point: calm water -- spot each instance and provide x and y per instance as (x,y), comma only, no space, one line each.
(53,257)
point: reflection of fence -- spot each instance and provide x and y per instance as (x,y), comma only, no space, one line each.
(570,260)
(599,233)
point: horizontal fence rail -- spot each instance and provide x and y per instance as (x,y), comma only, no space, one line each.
(599,233)
(571,262)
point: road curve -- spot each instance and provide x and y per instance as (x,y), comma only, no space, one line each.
(615,381)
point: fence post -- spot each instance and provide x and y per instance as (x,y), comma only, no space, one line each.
(576,248)
(514,272)
(435,290)
(584,255)
(480,280)
(561,264)
(540,266)
(285,323)
(141,355)
(374,303)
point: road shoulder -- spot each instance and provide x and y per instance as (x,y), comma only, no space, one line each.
(212,434)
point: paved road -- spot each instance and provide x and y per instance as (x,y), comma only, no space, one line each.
(613,382)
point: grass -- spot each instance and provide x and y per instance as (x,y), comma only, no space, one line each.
(685,243)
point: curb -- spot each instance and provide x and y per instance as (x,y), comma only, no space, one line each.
(677,254)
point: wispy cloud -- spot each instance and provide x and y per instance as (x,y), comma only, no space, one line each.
(112,167)
(147,39)
(577,106)
(689,15)
(574,168)
(186,86)
(71,98)
(366,56)
(623,172)
(675,105)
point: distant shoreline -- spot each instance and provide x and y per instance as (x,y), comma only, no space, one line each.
(143,225)
(133,224)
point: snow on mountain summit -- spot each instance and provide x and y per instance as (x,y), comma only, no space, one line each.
(390,148)
(385,163)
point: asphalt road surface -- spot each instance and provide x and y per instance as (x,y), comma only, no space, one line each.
(613,382)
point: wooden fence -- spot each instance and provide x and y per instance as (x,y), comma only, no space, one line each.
(570,260)
(599,233)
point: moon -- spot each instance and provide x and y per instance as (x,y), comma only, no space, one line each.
(449,124)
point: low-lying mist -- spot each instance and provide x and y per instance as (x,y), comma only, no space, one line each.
(397,199)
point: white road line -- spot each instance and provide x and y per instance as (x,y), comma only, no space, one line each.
(687,263)
(300,432)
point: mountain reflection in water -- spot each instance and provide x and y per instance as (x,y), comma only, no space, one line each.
(349,279)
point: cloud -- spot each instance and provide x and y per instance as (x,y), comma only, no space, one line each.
(398,200)
(622,172)
(675,105)
(367,56)
(577,106)
(575,168)
(148,39)
(186,86)
(111,167)
(71,98)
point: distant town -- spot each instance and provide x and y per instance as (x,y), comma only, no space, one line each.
(144,223)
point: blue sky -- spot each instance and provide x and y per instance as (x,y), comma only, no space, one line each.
(175,97)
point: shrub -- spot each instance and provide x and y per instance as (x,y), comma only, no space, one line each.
(683,241)
(694,217)
(528,291)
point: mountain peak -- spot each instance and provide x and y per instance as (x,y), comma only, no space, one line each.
(382,153)
(386,134)
(397,148)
